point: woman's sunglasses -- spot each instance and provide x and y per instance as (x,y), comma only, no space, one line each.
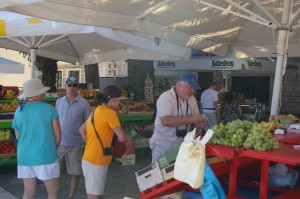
(73,85)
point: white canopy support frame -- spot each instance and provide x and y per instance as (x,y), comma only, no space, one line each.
(261,20)
(152,9)
(282,40)
(34,46)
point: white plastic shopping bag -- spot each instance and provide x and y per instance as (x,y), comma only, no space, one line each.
(190,161)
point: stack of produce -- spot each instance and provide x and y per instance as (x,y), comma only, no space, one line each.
(8,106)
(10,94)
(7,148)
(148,91)
(244,134)
(87,93)
(284,120)
(272,125)
(260,139)
(232,134)
(131,132)
(5,134)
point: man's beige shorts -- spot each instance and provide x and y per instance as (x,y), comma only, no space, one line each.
(70,159)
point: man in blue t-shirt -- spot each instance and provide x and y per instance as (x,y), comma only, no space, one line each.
(73,111)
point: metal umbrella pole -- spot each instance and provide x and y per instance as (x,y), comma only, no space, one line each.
(33,62)
(282,44)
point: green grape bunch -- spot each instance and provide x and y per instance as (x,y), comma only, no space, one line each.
(244,134)
(260,139)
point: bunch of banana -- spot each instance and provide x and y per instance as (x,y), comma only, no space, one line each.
(10,94)
(8,106)
(271,126)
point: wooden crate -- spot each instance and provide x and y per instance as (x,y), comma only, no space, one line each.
(149,177)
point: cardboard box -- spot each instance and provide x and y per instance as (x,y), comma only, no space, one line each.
(128,159)
(168,158)
(149,177)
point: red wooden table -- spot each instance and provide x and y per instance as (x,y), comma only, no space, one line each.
(286,154)
(233,154)
(289,138)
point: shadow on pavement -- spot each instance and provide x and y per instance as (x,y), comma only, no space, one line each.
(120,181)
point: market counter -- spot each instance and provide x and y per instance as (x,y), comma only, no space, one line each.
(122,118)
(136,117)
(288,138)
(5,124)
(286,154)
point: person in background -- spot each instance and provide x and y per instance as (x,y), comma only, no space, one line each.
(1,96)
(209,104)
(177,112)
(38,133)
(230,109)
(98,132)
(73,111)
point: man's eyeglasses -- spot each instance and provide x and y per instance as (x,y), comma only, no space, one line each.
(73,85)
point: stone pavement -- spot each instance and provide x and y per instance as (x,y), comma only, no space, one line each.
(6,195)
(121,182)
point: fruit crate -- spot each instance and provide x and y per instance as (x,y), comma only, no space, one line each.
(8,158)
(8,106)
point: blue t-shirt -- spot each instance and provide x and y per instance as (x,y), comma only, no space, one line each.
(36,144)
(71,116)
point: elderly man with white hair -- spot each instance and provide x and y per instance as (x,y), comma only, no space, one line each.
(177,112)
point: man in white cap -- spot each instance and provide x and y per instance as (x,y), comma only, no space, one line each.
(73,111)
(38,133)
(177,112)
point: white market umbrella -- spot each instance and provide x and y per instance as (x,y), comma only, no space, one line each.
(193,23)
(265,22)
(251,28)
(85,44)
(9,66)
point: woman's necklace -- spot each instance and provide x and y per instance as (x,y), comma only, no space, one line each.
(30,100)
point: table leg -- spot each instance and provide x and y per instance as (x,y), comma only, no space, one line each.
(264,174)
(232,177)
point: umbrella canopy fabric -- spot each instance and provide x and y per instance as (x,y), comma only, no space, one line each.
(86,44)
(251,28)
(212,26)
(9,66)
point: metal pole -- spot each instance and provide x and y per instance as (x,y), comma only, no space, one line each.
(281,53)
(32,61)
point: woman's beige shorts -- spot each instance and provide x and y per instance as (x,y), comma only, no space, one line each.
(95,177)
